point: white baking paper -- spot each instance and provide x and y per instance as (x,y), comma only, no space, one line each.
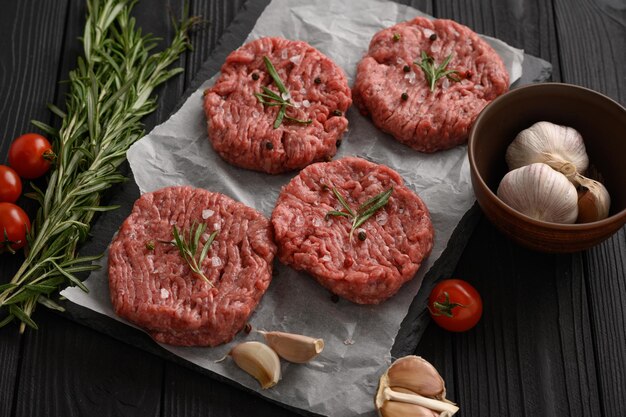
(343,379)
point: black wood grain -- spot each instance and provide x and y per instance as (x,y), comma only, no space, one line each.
(31,38)
(592,41)
(71,371)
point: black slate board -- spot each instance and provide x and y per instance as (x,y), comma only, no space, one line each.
(417,318)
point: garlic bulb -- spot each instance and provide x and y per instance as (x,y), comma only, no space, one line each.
(412,387)
(593,200)
(540,192)
(560,147)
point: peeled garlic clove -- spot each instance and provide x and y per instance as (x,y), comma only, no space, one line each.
(294,347)
(396,396)
(259,360)
(540,192)
(560,147)
(593,200)
(417,375)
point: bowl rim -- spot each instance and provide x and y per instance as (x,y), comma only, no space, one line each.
(565,227)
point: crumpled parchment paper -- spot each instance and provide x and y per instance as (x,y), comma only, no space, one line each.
(343,379)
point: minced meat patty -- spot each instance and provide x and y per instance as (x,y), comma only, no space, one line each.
(241,129)
(153,287)
(396,239)
(393,90)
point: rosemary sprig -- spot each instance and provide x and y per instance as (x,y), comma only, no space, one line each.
(270,98)
(433,73)
(365,210)
(189,247)
(110,91)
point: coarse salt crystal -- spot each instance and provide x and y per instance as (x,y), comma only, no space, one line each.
(382,217)
(326,258)
(399,60)
(297,104)
(255,114)
(285,96)
(428,33)
(303,90)
(164,293)
(296,59)
(172,222)
(306,103)
(299,221)
(217,226)
(215,261)
(445,84)
(207,213)
(284,54)
(317,222)
(478,87)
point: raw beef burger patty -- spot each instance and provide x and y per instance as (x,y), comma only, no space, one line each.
(397,237)
(241,128)
(400,102)
(153,286)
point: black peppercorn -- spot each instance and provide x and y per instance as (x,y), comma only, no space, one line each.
(404,96)
(334,298)
(362,236)
(255,76)
(318,80)
(338,143)
(337,113)
(269,145)
(433,37)
(406,68)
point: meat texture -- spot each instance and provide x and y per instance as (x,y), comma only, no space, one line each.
(152,286)
(241,128)
(397,238)
(391,87)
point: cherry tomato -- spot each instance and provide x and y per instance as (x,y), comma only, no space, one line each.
(14,224)
(455,305)
(30,155)
(10,185)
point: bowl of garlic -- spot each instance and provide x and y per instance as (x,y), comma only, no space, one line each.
(548,166)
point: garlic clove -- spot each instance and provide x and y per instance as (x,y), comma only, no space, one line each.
(560,147)
(395,396)
(540,192)
(294,347)
(259,360)
(417,375)
(594,200)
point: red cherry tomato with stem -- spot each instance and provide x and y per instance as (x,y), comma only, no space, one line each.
(10,185)
(30,155)
(455,305)
(14,224)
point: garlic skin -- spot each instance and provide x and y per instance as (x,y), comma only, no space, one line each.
(259,360)
(593,200)
(560,147)
(294,348)
(412,387)
(540,192)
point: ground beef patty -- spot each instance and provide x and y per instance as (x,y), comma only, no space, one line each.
(153,286)
(393,90)
(397,237)
(241,128)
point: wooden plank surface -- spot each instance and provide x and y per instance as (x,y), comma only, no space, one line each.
(552,341)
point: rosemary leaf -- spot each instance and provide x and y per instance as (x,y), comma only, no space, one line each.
(365,210)
(188,248)
(278,99)
(433,73)
(110,92)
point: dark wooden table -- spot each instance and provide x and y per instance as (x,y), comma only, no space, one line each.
(552,341)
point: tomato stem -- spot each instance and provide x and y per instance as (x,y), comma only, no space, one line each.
(444,308)
(6,243)
(49,155)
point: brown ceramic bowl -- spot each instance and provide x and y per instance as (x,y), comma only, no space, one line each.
(602,123)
